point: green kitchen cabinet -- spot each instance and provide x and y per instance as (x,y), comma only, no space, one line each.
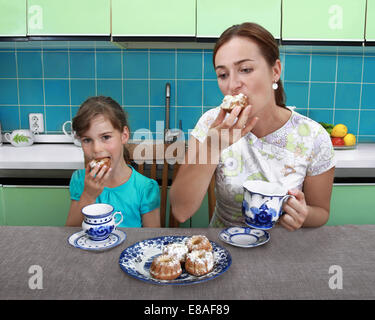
(69,18)
(370,21)
(214,16)
(13,18)
(2,209)
(35,205)
(325,20)
(352,204)
(153,18)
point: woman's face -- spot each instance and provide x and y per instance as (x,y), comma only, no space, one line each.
(241,68)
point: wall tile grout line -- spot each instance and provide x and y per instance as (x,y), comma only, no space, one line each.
(149,89)
(309,87)
(335,87)
(18,89)
(360,96)
(95,70)
(122,78)
(44,94)
(70,84)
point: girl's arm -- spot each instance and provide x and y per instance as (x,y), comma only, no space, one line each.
(151,219)
(93,187)
(75,216)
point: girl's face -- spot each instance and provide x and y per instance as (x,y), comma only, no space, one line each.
(241,68)
(103,140)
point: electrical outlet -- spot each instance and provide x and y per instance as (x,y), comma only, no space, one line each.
(36,122)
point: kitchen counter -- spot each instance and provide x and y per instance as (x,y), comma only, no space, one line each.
(357,162)
(323,263)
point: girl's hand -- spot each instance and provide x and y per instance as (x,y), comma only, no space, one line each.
(228,131)
(295,211)
(95,180)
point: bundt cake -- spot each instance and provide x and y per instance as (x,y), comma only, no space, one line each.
(178,250)
(165,267)
(199,262)
(198,242)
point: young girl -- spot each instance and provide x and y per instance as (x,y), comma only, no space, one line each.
(102,127)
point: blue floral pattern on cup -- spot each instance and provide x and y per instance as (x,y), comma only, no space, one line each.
(100,233)
(99,221)
(262,204)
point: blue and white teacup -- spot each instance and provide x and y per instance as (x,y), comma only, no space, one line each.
(99,221)
(263,203)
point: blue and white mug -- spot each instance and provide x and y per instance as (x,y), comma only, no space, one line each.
(263,203)
(99,221)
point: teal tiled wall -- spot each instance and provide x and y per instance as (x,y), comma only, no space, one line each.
(330,84)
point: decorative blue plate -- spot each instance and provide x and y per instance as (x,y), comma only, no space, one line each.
(82,241)
(136,261)
(244,237)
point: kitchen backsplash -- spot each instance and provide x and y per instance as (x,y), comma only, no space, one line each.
(329,84)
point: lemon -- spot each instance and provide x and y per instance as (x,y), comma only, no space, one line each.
(349,139)
(339,131)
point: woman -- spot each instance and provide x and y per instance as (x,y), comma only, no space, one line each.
(265,141)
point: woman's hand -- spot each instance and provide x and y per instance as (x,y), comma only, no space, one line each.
(95,180)
(228,130)
(296,211)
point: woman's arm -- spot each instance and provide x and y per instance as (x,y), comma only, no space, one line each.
(191,183)
(311,207)
(151,219)
(194,176)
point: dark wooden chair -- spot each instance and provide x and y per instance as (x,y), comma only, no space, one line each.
(151,172)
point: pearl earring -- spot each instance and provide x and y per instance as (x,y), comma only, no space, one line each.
(275,86)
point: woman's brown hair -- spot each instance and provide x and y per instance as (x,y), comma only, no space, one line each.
(267,45)
(106,107)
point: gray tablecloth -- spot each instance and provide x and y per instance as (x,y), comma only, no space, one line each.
(292,265)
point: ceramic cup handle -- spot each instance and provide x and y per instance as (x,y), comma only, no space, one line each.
(64,130)
(285,199)
(117,223)
(7,137)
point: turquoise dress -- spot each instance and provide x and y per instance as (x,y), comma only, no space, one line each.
(135,197)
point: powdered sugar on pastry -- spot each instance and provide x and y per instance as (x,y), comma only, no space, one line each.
(230,102)
(100,163)
(178,250)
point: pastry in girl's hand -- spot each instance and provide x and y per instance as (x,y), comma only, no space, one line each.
(100,163)
(230,102)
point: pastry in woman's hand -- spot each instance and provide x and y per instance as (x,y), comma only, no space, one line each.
(230,102)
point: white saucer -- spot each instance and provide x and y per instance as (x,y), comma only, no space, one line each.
(82,241)
(244,237)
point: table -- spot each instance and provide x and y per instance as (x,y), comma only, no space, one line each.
(292,265)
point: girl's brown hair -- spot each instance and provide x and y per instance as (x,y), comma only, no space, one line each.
(106,107)
(267,45)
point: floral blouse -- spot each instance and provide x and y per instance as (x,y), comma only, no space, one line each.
(300,148)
